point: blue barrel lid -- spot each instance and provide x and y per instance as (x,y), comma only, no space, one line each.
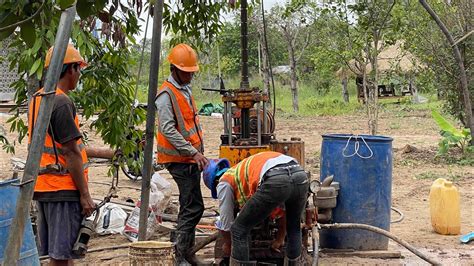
(8,182)
(373,138)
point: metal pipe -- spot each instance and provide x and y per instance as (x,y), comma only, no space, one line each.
(224,116)
(264,117)
(244,123)
(259,129)
(27,185)
(229,121)
(314,236)
(244,83)
(150,117)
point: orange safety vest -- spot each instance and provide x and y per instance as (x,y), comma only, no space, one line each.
(53,175)
(187,124)
(245,176)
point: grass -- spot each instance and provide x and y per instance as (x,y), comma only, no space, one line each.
(433,176)
(311,101)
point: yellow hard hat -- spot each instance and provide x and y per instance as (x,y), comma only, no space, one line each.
(184,58)
(72,56)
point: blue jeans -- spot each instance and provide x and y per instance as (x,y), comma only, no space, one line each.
(279,187)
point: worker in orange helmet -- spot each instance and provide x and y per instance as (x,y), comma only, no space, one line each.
(61,189)
(180,146)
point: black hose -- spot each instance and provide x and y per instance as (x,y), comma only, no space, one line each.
(382,232)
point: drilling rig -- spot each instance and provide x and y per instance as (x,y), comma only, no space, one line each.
(249,129)
(248,124)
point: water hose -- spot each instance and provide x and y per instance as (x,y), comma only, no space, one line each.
(378,231)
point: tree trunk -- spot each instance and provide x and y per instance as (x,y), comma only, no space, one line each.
(293,77)
(345,92)
(469,121)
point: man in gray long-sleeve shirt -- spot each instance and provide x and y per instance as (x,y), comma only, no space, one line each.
(180,146)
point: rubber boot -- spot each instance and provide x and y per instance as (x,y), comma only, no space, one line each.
(291,262)
(234,262)
(184,244)
(181,247)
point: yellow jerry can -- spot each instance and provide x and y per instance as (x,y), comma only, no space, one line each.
(444,207)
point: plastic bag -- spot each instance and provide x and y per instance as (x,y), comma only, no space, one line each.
(132,224)
(111,219)
(160,195)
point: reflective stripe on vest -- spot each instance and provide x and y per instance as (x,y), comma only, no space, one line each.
(244,177)
(187,124)
(53,175)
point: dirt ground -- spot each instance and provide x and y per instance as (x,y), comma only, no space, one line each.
(413,174)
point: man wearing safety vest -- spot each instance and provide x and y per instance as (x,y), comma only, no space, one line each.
(61,189)
(256,186)
(180,146)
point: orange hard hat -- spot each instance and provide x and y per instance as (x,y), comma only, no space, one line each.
(184,58)
(72,56)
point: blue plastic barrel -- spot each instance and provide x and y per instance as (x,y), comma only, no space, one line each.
(28,251)
(362,165)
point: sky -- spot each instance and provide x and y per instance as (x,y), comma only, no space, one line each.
(266,3)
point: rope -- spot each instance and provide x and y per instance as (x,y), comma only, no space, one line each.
(402,216)
(138,74)
(356,148)
(382,232)
(268,59)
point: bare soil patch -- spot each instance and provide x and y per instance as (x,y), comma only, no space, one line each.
(413,174)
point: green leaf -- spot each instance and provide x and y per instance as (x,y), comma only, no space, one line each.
(63,4)
(84,8)
(28,33)
(445,125)
(35,66)
(9,20)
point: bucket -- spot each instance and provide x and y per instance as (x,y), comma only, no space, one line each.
(28,251)
(151,253)
(362,165)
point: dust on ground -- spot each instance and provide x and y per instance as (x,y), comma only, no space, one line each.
(413,174)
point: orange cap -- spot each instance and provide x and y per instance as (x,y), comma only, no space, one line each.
(72,56)
(184,58)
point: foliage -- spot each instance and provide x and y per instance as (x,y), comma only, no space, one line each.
(424,39)
(6,145)
(104,34)
(452,136)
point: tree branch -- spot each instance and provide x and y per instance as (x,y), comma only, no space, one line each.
(463,38)
(457,55)
(14,25)
(386,17)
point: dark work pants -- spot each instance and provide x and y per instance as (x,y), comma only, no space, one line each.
(278,188)
(191,206)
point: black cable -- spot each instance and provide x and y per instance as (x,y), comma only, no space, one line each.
(268,59)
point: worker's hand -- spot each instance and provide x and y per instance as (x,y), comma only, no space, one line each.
(200,160)
(87,204)
(277,244)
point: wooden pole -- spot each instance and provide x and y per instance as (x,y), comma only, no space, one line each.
(12,251)
(150,116)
